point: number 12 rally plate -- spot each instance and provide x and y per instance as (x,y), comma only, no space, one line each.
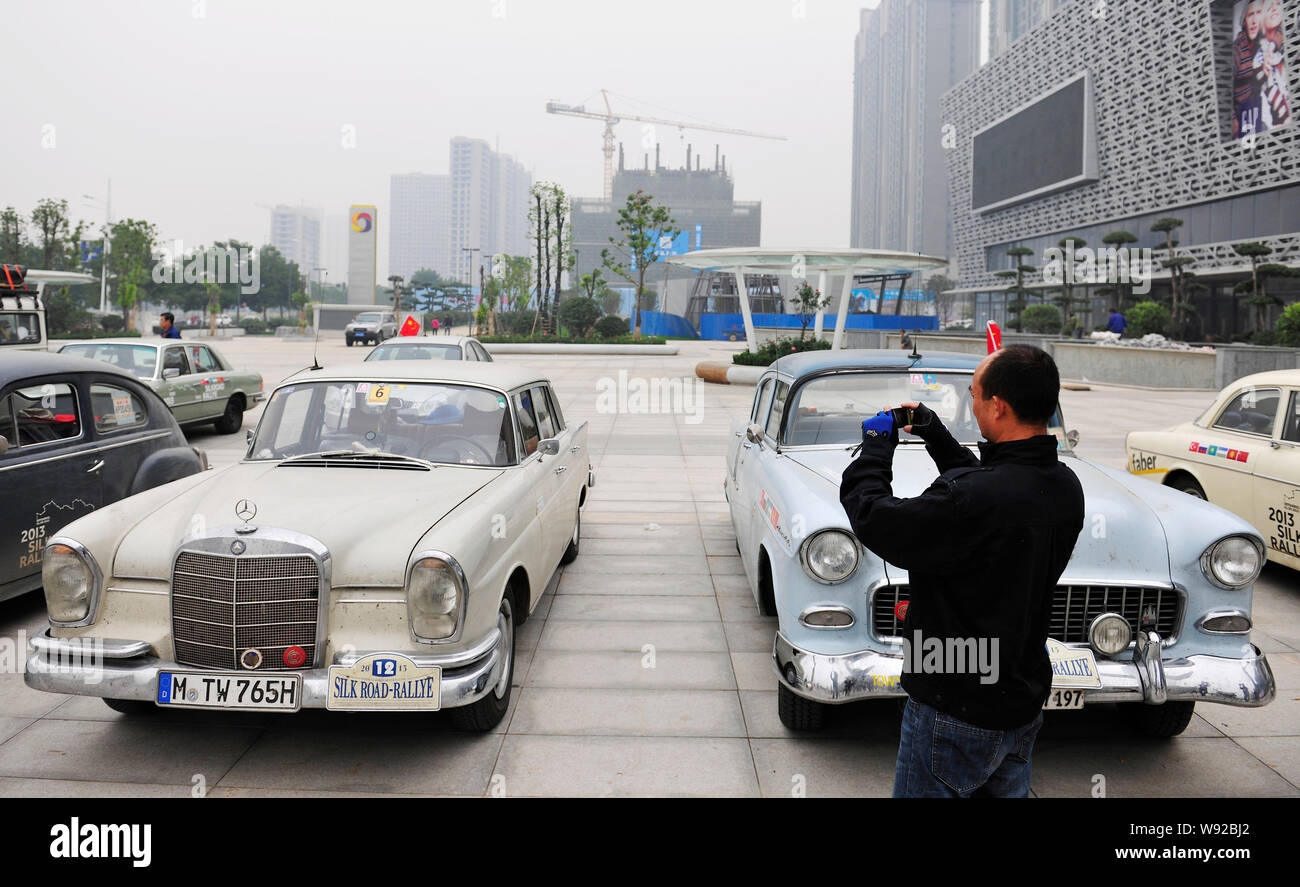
(384,682)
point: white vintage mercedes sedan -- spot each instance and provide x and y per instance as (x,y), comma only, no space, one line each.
(389,528)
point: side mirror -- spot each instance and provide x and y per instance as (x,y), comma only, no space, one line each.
(1072,437)
(549,447)
(754,434)
(171,372)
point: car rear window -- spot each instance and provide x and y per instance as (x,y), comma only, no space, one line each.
(116,409)
(43,413)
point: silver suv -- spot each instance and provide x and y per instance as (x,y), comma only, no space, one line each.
(371,327)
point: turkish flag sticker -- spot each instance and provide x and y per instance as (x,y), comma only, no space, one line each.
(900,611)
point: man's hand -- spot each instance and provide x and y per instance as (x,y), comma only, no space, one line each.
(880,426)
(923,419)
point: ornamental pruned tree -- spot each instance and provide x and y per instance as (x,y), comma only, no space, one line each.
(1177,274)
(1016,306)
(1120,241)
(641,224)
(1260,274)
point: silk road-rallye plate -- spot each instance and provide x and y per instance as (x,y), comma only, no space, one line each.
(384,682)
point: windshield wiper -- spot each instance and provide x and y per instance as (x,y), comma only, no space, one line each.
(344,455)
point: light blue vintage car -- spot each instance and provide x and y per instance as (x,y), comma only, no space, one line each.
(1154,608)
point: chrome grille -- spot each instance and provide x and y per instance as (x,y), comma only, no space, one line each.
(221,606)
(1073,609)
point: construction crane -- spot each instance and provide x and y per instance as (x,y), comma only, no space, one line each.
(611,118)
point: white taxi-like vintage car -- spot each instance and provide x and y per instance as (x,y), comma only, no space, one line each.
(1153,609)
(388,529)
(1242,454)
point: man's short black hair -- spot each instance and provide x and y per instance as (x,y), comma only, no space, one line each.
(1027,379)
(169,317)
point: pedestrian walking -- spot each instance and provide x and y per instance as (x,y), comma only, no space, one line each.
(168,323)
(1116,323)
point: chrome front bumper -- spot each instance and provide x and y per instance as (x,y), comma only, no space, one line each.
(120,669)
(1145,678)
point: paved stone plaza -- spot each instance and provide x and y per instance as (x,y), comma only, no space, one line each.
(658,567)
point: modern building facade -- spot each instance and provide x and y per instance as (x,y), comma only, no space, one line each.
(1009,20)
(489,207)
(908,53)
(703,207)
(1082,138)
(296,233)
(419,208)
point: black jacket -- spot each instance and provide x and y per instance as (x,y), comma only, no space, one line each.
(984,547)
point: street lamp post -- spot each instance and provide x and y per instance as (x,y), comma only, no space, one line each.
(103,253)
(471,250)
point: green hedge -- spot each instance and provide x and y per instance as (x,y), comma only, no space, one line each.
(97,334)
(1148,317)
(778,348)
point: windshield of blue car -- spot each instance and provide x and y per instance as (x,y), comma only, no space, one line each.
(138,360)
(456,424)
(415,352)
(830,410)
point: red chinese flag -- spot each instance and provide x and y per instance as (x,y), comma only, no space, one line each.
(994,337)
(410,327)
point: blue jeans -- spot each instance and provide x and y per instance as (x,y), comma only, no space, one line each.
(940,756)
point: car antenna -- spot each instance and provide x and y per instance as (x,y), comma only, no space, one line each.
(915,355)
(315,364)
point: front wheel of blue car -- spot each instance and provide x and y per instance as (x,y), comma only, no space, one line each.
(798,713)
(1160,721)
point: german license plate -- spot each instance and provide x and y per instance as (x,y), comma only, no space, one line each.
(1063,699)
(241,692)
(384,682)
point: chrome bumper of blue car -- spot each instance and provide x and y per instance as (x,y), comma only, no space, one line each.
(119,669)
(1146,677)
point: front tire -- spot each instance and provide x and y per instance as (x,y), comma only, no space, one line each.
(571,553)
(798,713)
(232,419)
(1188,485)
(1160,721)
(350,341)
(482,716)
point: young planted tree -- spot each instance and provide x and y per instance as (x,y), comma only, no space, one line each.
(1016,306)
(1120,241)
(51,221)
(1066,297)
(807,302)
(1257,283)
(130,259)
(641,223)
(944,304)
(12,236)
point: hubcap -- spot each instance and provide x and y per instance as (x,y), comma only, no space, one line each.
(506,622)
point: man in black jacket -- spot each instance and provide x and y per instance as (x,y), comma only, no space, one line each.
(984,547)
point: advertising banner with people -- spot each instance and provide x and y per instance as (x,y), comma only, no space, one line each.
(1259,89)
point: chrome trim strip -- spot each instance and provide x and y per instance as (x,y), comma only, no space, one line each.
(162,592)
(371,600)
(106,648)
(463,588)
(121,443)
(97,577)
(444,660)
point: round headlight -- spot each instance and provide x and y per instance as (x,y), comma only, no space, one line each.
(831,556)
(433,598)
(1234,562)
(69,581)
(1110,634)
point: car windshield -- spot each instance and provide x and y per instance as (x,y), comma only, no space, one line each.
(830,410)
(457,424)
(367,318)
(138,360)
(415,352)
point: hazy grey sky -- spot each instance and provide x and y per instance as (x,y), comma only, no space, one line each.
(200,110)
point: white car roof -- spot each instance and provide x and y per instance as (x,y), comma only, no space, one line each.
(491,375)
(399,341)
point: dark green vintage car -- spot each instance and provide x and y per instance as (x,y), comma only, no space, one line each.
(195,382)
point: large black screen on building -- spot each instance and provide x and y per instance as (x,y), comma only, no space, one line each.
(1035,149)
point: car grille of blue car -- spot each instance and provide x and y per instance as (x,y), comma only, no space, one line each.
(223,606)
(1073,609)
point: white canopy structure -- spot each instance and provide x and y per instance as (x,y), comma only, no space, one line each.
(740,261)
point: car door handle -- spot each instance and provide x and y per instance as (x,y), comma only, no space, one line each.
(748,446)
(576,449)
(98,465)
(561,470)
